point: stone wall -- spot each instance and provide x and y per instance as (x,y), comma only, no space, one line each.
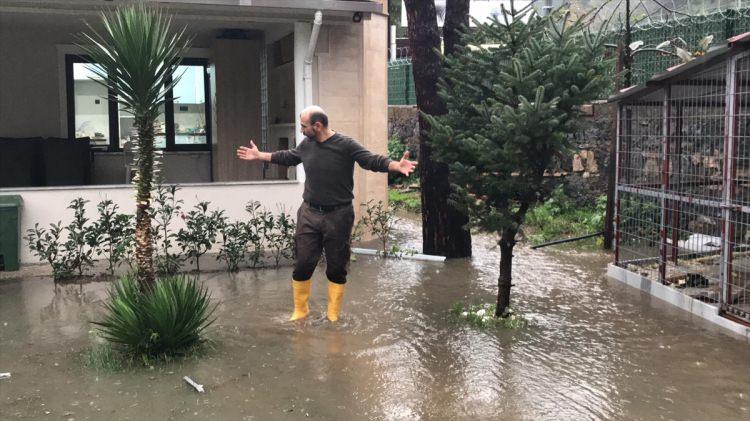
(583,174)
(403,123)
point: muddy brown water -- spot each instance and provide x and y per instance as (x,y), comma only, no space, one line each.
(594,349)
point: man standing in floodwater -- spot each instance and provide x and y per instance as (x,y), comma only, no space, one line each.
(325,218)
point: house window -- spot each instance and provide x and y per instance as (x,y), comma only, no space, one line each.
(183,122)
(91,105)
(190,106)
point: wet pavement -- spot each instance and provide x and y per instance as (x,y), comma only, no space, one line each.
(594,349)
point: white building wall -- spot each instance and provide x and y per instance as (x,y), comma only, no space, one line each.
(48,205)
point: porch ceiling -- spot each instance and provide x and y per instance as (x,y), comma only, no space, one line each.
(217,10)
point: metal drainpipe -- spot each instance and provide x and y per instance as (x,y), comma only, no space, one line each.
(307,67)
(264,101)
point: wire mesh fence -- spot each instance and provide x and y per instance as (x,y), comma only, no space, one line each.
(722,24)
(683,190)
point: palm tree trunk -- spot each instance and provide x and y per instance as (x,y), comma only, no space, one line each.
(504,280)
(111,257)
(143,247)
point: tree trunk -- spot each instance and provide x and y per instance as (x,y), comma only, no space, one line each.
(504,280)
(143,244)
(456,18)
(443,231)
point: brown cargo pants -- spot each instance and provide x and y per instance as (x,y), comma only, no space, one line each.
(319,229)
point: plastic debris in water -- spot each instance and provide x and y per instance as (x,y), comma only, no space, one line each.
(4,376)
(196,386)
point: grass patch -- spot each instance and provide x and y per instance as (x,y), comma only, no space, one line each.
(411,200)
(560,217)
(483,316)
(101,357)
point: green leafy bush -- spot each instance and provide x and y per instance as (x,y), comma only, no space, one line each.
(81,238)
(233,244)
(70,249)
(280,238)
(112,234)
(560,217)
(166,208)
(257,228)
(396,149)
(199,234)
(379,218)
(48,246)
(166,321)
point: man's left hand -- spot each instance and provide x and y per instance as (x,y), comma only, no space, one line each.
(404,166)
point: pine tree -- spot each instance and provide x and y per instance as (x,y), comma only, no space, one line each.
(513,95)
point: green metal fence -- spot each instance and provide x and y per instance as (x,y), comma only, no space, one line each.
(721,24)
(401,83)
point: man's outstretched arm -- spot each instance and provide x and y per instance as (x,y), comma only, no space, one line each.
(288,158)
(252,153)
(381,163)
(404,166)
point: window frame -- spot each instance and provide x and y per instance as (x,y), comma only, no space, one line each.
(113,109)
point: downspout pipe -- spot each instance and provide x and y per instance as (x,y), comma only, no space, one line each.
(307,66)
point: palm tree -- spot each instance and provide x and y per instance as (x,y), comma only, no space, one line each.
(135,57)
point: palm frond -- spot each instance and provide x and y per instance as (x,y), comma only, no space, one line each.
(136,54)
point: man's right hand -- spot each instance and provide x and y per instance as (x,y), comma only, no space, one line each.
(249,154)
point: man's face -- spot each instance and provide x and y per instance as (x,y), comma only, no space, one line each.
(307,129)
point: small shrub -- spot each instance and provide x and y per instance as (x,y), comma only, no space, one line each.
(66,253)
(200,232)
(379,218)
(50,248)
(256,231)
(234,244)
(280,238)
(166,208)
(166,321)
(482,316)
(113,234)
(81,238)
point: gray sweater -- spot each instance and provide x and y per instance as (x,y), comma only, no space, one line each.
(329,167)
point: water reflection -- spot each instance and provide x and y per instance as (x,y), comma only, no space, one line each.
(594,349)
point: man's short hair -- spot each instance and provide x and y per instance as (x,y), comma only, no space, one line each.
(317,116)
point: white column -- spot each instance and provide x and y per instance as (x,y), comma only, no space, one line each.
(393,42)
(301,40)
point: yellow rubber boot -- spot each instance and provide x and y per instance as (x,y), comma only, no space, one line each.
(335,296)
(301,293)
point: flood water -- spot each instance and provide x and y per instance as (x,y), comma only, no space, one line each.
(594,349)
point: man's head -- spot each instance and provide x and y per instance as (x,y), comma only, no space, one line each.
(314,121)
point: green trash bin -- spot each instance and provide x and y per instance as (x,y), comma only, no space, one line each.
(10,231)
